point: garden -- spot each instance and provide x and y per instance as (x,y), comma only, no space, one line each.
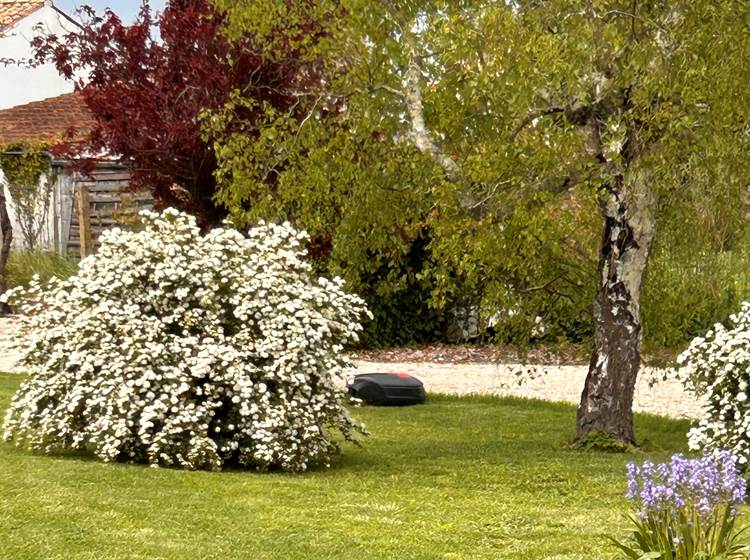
(536,211)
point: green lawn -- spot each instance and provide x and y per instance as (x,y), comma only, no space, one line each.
(468,478)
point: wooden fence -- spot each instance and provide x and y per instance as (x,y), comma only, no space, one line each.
(103,200)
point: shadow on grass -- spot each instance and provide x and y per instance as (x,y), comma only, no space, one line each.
(447,433)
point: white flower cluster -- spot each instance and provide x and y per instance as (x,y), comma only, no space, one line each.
(178,349)
(717,368)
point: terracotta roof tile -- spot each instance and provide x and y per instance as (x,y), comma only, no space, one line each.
(45,120)
(12,11)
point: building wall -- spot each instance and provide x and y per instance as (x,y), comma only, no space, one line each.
(55,230)
(111,203)
(20,84)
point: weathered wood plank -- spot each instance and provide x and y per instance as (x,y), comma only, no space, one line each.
(107,187)
(110,203)
(115,197)
(112,176)
(84,220)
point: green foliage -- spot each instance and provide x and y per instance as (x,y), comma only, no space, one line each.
(24,164)
(344,178)
(29,176)
(687,293)
(537,265)
(537,104)
(401,319)
(364,202)
(680,537)
(23,265)
(700,269)
(399,297)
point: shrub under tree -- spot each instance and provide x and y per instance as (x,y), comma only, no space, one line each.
(196,351)
(716,367)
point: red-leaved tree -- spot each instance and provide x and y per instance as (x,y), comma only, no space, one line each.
(148,90)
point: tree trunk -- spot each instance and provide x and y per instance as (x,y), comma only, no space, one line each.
(6,237)
(607,399)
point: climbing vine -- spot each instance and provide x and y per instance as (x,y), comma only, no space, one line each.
(28,176)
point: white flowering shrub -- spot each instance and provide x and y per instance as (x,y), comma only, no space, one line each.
(177,349)
(717,368)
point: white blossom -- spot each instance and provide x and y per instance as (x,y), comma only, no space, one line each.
(717,368)
(178,349)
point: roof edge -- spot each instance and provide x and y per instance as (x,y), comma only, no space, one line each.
(13,21)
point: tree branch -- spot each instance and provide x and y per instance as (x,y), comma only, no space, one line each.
(532,116)
(389,89)
(419,133)
(422,139)
(543,286)
(634,17)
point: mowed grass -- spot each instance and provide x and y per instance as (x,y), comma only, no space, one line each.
(457,478)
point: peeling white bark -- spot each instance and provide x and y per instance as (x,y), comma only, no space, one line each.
(419,133)
(607,399)
(422,138)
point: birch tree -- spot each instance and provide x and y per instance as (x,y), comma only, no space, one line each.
(625,104)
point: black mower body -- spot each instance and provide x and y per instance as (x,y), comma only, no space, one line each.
(388,389)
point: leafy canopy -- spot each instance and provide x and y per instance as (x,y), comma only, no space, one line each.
(506,92)
(148,83)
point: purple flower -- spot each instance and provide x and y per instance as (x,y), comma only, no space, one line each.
(633,473)
(700,485)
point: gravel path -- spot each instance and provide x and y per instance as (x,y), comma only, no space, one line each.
(549,382)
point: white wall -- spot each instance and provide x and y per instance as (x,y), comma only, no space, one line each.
(19,84)
(54,233)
